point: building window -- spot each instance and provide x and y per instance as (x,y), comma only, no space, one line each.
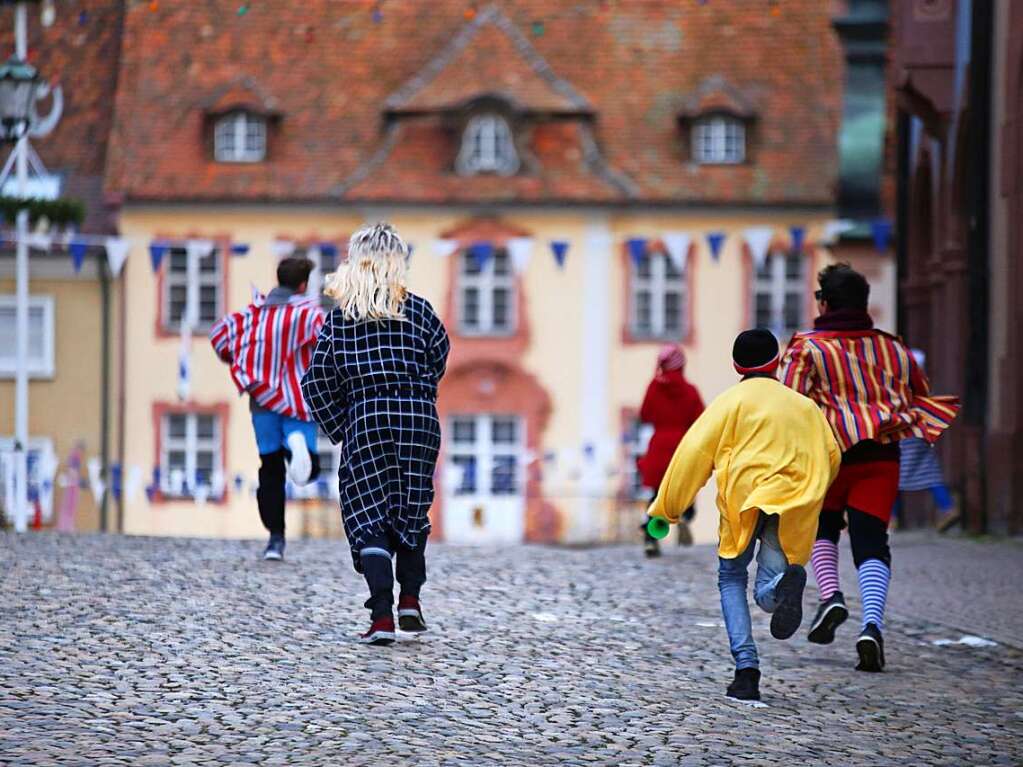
(40,336)
(635,440)
(203,284)
(240,137)
(191,446)
(486,294)
(719,140)
(487,147)
(487,452)
(659,298)
(779,294)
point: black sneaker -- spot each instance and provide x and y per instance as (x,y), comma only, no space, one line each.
(870,648)
(789,594)
(746,685)
(830,615)
(274,549)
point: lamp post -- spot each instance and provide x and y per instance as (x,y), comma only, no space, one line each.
(20,88)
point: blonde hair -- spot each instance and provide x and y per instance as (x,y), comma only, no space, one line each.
(370,285)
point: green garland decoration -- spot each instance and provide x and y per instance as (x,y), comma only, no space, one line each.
(58,212)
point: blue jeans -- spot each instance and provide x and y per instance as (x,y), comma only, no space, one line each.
(732,583)
(272,430)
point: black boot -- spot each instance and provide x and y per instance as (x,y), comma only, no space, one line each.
(746,685)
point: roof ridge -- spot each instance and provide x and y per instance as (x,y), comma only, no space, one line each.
(492,15)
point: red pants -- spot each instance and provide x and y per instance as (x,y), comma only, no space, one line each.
(871,487)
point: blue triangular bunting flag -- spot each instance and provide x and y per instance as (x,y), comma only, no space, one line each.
(881,229)
(239,249)
(329,251)
(157,250)
(715,240)
(798,234)
(481,253)
(560,250)
(78,250)
(637,249)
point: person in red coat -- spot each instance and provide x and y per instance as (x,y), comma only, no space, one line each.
(671,405)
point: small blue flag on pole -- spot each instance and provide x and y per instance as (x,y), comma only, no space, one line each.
(157,250)
(560,250)
(637,249)
(715,240)
(881,229)
(78,250)
(481,253)
(239,249)
(798,235)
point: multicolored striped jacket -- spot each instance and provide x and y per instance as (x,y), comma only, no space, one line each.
(868,385)
(269,347)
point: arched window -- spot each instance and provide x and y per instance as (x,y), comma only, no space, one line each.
(487,147)
(240,137)
(719,140)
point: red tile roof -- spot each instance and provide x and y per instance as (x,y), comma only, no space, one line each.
(369,109)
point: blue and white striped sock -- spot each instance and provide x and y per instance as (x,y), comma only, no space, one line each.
(874,576)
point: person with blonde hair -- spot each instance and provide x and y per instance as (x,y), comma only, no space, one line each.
(372,387)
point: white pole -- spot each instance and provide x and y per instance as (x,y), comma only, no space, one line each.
(21,306)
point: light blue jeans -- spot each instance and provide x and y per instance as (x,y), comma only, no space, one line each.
(733,581)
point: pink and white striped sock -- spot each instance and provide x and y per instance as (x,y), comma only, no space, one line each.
(824,559)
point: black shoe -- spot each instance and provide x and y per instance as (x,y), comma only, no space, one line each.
(746,685)
(651,547)
(789,594)
(274,551)
(870,648)
(830,615)
(685,535)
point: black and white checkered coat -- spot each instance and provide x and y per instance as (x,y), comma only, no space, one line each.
(372,386)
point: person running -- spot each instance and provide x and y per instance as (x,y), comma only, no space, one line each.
(874,395)
(671,405)
(773,456)
(372,386)
(268,346)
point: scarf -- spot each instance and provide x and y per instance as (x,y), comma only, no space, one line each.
(844,319)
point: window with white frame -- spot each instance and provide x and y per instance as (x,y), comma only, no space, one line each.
(487,449)
(240,137)
(486,294)
(659,298)
(635,440)
(487,147)
(191,449)
(40,336)
(779,294)
(719,140)
(202,283)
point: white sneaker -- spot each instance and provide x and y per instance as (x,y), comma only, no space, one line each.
(301,464)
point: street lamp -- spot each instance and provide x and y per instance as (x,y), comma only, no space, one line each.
(19,89)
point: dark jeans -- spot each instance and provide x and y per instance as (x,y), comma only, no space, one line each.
(868,535)
(271,495)
(409,569)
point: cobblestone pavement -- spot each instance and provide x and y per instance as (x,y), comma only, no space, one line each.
(154,651)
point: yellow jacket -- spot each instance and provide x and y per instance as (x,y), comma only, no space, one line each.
(771,449)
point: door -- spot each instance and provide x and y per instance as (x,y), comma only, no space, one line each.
(484,479)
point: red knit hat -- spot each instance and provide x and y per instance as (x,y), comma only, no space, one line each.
(671,358)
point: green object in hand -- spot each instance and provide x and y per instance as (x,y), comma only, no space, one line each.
(658,527)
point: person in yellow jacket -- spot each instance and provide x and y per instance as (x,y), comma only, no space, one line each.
(773,456)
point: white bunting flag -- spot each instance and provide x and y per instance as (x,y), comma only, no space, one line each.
(677,245)
(96,483)
(133,482)
(217,484)
(185,361)
(520,250)
(282,248)
(202,494)
(444,248)
(40,240)
(835,228)
(258,299)
(117,253)
(758,238)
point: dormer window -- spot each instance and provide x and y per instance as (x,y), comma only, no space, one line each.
(487,147)
(719,140)
(240,137)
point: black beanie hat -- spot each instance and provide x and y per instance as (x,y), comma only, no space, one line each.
(755,351)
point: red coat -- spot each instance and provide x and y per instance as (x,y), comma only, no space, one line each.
(671,405)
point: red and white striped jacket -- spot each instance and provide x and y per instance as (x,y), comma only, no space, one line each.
(268,347)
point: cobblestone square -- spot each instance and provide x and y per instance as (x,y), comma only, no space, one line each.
(147,651)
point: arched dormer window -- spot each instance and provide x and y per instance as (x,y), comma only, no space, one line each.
(719,139)
(487,147)
(239,136)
